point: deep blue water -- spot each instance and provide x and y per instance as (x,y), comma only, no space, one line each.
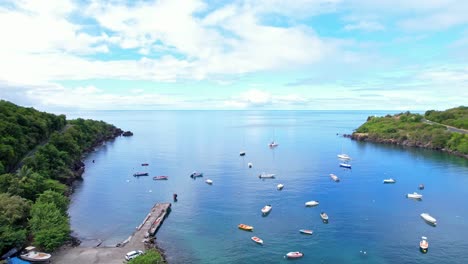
(365,214)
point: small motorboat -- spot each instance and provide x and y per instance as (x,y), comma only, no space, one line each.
(209,181)
(158,178)
(273,144)
(242,153)
(266,209)
(334,177)
(421,186)
(137,174)
(250,165)
(324,216)
(266,175)
(389,180)
(144,164)
(345,165)
(196,174)
(306,231)
(34,256)
(311,203)
(245,227)
(423,244)
(296,254)
(280,187)
(414,195)
(429,219)
(344,156)
(257,240)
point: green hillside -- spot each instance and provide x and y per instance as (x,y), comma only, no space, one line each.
(33,201)
(411,130)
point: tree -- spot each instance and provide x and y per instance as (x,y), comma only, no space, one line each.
(49,226)
(14,211)
(150,257)
(60,201)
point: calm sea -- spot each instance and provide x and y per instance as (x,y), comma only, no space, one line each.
(365,214)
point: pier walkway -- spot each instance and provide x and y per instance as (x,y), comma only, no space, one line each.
(141,239)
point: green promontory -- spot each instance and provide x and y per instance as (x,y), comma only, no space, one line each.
(415,130)
(40,154)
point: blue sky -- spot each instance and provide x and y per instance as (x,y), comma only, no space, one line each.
(194,54)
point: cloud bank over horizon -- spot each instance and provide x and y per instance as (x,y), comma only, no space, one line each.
(195,54)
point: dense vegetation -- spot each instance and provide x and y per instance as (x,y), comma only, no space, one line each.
(410,130)
(33,202)
(456,117)
(150,257)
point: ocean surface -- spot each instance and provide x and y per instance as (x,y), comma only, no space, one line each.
(370,222)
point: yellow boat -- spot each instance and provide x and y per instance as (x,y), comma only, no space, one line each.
(246,227)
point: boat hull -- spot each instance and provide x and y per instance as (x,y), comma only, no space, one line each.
(294,255)
(245,227)
(429,219)
(306,231)
(257,240)
(311,203)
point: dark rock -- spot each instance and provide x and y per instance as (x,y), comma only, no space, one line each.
(127,134)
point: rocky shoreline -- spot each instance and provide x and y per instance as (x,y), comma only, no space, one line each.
(405,143)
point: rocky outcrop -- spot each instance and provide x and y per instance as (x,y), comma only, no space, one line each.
(407,143)
(127,134)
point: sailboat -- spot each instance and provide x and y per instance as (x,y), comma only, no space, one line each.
(343,156)
(273,143)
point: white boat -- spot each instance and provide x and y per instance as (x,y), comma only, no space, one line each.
(242,153)
(423,244)
(414,195)
(428,218)
(257,240)
(35,256)
(389,180)
(266,209)
(324,216)
(334,177)
(273,144)
(266,175)
(344,156)
(345,165)
(296,254)
(311,203)
(250,165)
(280,187)
(209,181)
(306,231)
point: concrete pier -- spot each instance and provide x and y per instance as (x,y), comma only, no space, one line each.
(141,239)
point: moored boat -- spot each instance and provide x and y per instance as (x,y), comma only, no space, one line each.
(429,219)
(414,195)
(160,178)
(242,153)
(34,256)
(334,177)
(209,181)
(144,164)
(389,180)
(421,186)
(345,165)
(295,254)
(266,209)
(312,203)
(250,165)
(245,227)
(273,144)
(196,174)
(423,244)
(344,156)
(266,175)
(324,216)
(280,187)
(137,174)
(306,231)
(257,240)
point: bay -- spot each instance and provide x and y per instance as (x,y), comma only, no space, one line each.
(365,214)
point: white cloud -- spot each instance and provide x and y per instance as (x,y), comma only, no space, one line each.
(260,98)
(365,26)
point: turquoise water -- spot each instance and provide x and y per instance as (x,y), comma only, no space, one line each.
(365,215)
